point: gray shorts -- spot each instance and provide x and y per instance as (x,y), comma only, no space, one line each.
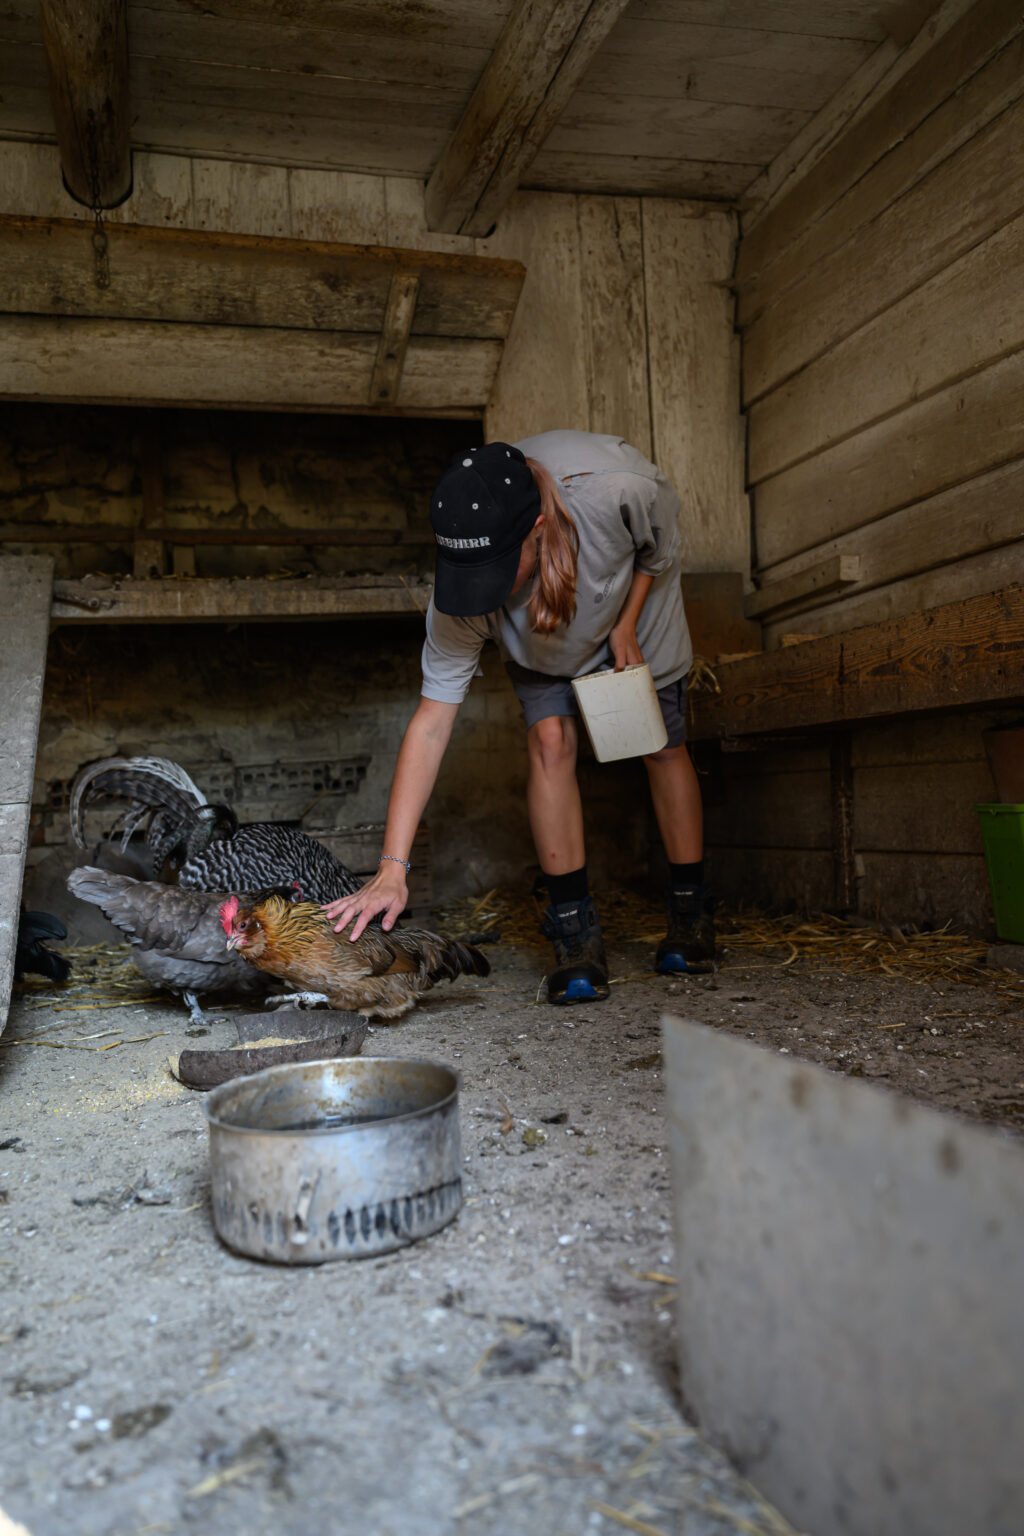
(542,696)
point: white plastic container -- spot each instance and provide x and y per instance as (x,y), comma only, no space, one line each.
(621,713)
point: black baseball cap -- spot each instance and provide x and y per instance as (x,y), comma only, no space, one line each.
(484,506)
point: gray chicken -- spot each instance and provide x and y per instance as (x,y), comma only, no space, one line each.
(176,936)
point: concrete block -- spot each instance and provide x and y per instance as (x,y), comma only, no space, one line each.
(851,1293)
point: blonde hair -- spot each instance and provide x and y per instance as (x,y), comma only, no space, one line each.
(554,596)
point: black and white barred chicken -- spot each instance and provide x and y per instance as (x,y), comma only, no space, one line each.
(204,843)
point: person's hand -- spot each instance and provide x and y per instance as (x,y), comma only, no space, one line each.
(625,647)
(387,892)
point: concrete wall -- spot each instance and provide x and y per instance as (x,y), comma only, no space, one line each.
(850,1270)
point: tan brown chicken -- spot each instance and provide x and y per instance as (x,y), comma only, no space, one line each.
(380,974)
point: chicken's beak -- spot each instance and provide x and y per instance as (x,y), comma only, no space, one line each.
(235,941)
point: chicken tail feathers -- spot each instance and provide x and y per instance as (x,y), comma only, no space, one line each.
(441,959)
(103,889)
(466,960)
(151,787)
(153,915)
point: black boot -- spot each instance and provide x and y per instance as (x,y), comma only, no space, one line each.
(689,944)
(581,970)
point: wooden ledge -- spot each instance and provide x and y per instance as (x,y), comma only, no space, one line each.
(193,276)
(231,600)
(963,654)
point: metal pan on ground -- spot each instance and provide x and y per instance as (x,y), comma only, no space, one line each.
(341,1159)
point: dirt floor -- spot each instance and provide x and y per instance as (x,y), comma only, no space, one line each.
(514,1373)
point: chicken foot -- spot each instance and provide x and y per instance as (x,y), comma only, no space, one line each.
(195,1013)
(297,1000)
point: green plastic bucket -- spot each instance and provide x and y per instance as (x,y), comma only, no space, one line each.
(1002,831)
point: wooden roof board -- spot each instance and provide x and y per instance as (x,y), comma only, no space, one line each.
(639,175)
(686,97)
(814,18)
(602,123)
(437,20)
(748,66)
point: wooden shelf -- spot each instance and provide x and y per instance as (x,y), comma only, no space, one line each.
(960,655)
(196,318)
(191,600)
(224,537)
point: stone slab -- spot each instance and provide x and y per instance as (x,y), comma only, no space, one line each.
(25,597)
(851,1274)
(1007,957)
(26,585)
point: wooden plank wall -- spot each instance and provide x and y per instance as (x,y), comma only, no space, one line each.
(624,324)
(917,846)
(881,305)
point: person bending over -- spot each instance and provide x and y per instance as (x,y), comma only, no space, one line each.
(564,549)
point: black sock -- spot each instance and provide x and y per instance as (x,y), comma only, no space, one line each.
(570,887)
(686,874)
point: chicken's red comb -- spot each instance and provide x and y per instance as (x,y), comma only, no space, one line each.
(228,913)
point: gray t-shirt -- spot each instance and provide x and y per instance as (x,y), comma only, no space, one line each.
(627,517)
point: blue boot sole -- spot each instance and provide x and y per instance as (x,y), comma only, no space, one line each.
(674,965)
(579,990)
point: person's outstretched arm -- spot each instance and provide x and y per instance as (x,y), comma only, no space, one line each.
(419,760)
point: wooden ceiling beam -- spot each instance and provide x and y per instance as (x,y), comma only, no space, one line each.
(540,57)
(86,44)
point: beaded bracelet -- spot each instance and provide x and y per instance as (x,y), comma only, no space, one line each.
(395,860)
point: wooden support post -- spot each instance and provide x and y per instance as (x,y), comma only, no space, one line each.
(394,338)
(86,44)
(150,554)
(539,60)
